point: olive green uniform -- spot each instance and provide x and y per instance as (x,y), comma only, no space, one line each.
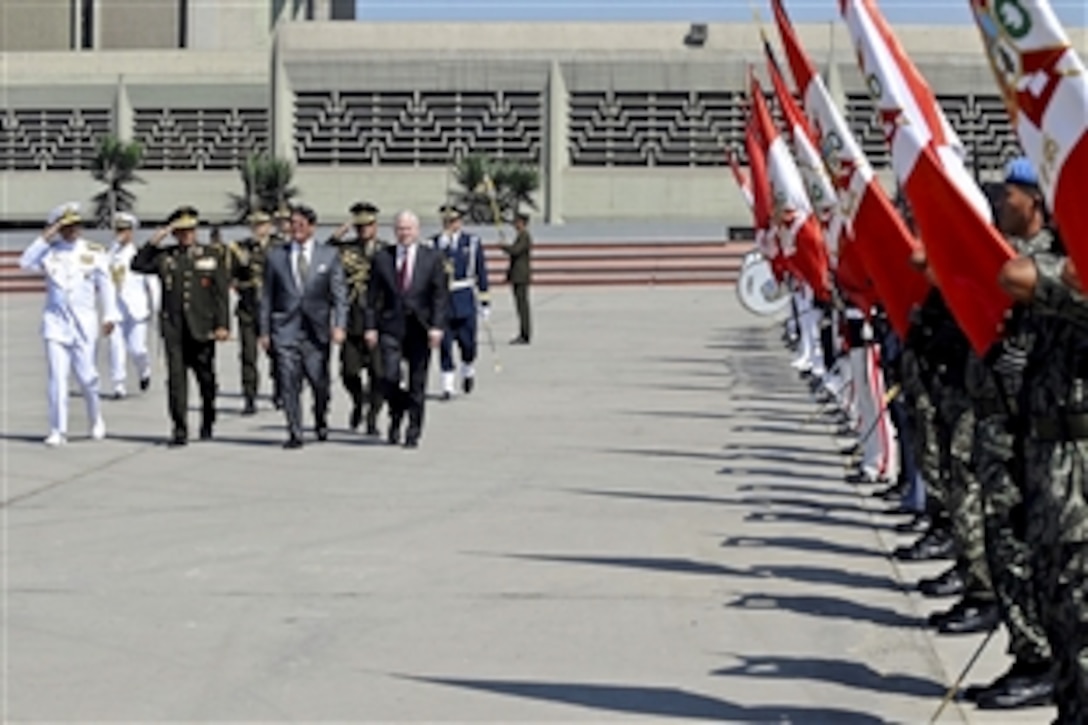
(355,356)
(247,272)
(195,303)
(519,275)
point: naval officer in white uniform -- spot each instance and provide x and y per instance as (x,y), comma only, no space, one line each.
(135,301)
(77,280)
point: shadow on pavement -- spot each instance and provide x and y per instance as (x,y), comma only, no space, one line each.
(826,608)
(644,563)
(849,674)
(804,544)
(655,701)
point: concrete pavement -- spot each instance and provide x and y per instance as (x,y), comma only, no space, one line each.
(635,519)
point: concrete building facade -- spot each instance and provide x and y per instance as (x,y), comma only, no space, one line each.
(624,121)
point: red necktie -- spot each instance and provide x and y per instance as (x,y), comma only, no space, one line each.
(402,276)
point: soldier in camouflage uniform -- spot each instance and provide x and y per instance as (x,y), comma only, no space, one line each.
(355,255)
(1055,403)
(247,270)
(995,386)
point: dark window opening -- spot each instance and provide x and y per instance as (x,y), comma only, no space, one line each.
(86,24)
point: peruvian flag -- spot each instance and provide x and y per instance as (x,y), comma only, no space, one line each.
(876,231)
(964,251)
(792,219)
(1045,86)
(759,191)
(821,192)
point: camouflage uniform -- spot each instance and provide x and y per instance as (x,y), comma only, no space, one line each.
(1056,403)
(994,386)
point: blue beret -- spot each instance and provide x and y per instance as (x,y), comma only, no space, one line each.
(1020,171)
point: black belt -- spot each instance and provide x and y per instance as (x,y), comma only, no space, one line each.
(1070,427)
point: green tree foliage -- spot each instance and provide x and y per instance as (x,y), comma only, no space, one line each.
(115,165)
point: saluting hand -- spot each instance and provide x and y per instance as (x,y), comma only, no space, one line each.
(342,230)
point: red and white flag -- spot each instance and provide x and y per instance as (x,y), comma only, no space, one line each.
(743,182)
(760,188)
(1045,86)
(792,219)
(821,192)
(877,231)
(964,251)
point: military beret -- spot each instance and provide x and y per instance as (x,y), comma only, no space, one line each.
(1021,172)
(363,212)
(184,217)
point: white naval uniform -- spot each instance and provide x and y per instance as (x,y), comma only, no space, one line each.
(76,273)
(135,300)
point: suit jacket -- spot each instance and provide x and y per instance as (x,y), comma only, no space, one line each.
(520,252)
(388,310)
(289,314)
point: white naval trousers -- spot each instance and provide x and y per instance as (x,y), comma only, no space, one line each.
(878,448)
(65,358)
(129,336)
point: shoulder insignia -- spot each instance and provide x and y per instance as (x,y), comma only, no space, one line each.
(96,247)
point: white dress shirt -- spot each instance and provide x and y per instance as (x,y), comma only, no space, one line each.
(406,255)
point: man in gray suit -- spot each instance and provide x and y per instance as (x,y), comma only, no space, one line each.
(303,310)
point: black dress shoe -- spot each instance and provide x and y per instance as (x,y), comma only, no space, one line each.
(179,439)
(277,402)
(411,442)
(250,407)
(1018,674)
(917,525)
(206,432)
(948,584)
(971,617)
(372,429)
(393,437)
(145,383)
(468,384)
(1018,693)
(933,545)
(292,443)
(519,341)
(322,432)
(446,396)
(356,417)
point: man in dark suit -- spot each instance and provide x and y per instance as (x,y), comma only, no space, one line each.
(404,316)
(303,310)
(519,275)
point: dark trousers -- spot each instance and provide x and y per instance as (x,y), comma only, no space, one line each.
(295,361)
(413,351)
(354,358)
(521,303)
(185,353)
(248,355)
(463,332)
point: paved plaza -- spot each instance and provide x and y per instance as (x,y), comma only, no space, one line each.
(638,517)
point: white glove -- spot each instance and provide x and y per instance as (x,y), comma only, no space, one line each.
(485,312)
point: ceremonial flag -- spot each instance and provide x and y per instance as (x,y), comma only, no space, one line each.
(760,189)
(792,218)
(1045,87)
(743,183)
(964,251)
(878,233)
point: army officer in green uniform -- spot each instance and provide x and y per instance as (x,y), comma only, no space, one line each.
(195,314)
(246,272)
(355,256)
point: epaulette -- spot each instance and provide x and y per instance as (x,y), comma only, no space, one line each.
(96,247)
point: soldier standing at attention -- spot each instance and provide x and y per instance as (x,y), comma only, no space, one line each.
(195,314)
(355,256)
(247,271)
(135,300)
(76,271)
(466,268)
(519,275)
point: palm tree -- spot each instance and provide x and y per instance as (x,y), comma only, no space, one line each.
(514,184)
(115,165)
(267,186)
